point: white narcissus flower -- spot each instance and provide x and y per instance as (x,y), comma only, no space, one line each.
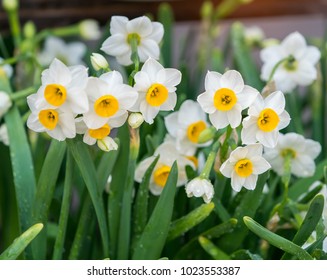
(254,35)
(4,137)
(298,70)
(302,152)
(55,122)
(199,187)
(148,34)
(168,154)
(5,69)
(266,117)
(156,88)
(185,126)
(63,87)
(69,53)
(225,97)
(5,103)
(109,100)
(244,165)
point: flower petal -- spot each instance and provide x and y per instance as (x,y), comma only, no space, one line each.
(212,81)
(116,45)
(206,102)
(294,44)
(233,80)
(170,102)
(260,165)
(247,96)
(118,25)
(268,139)
(237,182)
(250,182)
(171,123)
(148,48)
(275,101)
(219,119)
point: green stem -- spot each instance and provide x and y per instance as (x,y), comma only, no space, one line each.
(59,244)
(133,41)
(273,71)
(210,161)
(23,93)
(59,32)
(15,27)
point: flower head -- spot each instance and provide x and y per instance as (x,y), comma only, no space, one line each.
(298,67)
(109,100)
(225,97)
(156,88)
(266,117)
(199,187)
(5,103)
(5,69)
(168,154)
(148,34)
(244,165)
(89,29)
(301,151)
(186,125)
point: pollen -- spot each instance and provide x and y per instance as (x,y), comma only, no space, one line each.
(48,118)
(268,120)
(243,168)
(156,95)
(106,106)
(55,94)
(224,99)
(100,133)
(161,175)
(194,130)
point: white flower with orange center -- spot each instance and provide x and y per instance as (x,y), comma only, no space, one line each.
(244,165)
(148,35)
(55,122)
(302,153)
(109,100)
(156,88)
(168,154)
(225,97)
(266,117)
(63,87)
(186,125)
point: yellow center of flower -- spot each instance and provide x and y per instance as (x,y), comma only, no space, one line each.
(243,168)
(288,153)
(224,99)
(194,160)
(290,64)
(133,36)
(194,130)
(55,94)
(161,175)
(157,94)
(106,106)
(268,120)
(48,118)
(100,133)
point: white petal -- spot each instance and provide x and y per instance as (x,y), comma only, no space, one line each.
(312,54)
(126,96)
(276,101)
(249,131)
(67,124)
(148,48)
(79,76)
(157,32)
(219,119)
(254,150)
(190,112)
(260,165)
(155,189)
(247,96)
(93,121)
(87,139)
(112,77)
(116,45)
(152,67)
(237,182)
(257,106)
(306,73)
(125,59)
(171,123)
(148,112)
(227,169)
(118,121)
(78,101)
(284,120)
(233,80)
(58,73)
(234,116)
(206,102)
(142,168)
(118,25)
(271,54)
(212,81)
(294,44)
(34,124)
(140,25)
(250,182)
(303,166)
(238,154)
(169,77)
(75,52)
(312,148)
(142,81)
(268,139)
(170,103)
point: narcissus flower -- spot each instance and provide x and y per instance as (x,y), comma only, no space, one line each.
(63,87)
(298,67)
(156,88)
(266,117)
(168,154)
(109,100)
(200,188)
(91,135)
(55,122)
(186,125)
(147,33)
(225,97)
(90,29)
(301,151)
(244,165)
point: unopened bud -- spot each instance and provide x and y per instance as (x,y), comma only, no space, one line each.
(99,62)
(135,120)
(89,29)
(107,144)
(10,5)
(206,135)
(5,103)
(29,29)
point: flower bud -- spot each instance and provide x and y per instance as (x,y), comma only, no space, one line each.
(5,70)
(135,120)
(99,62)
(107,144)
(5,103)
(10,5)
(207,135)
(89,29)
(29,30)
(199,187)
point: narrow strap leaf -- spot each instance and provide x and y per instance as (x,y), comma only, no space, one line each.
(154,236)
(276,240)
(166,17)
(212,250)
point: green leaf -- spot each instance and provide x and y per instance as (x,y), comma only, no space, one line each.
(244,255)
(212,250)
(243,58)
(85,164)
(276,240)
(309,223)
(308,196)
(189,221)
(20,243)
(154,236)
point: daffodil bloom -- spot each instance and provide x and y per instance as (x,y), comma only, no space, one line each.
(302,153)
(156,88)
(168,154)
(63,87)
(244,165)
(199,187)
(186,125)
(55,122)
(5,103)
(147,33)
(297,66)
(225,97)
(109,100)
(266,117)
(69,53)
